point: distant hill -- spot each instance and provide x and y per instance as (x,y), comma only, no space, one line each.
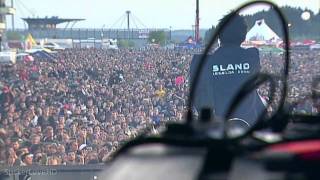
(299,29)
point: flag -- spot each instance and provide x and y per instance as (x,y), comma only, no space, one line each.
(29,42)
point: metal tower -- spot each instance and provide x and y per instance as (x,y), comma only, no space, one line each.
(4,10)
(197,26)
(128,23)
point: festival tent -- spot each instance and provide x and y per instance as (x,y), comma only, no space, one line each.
(35,49)
(43,55)
(8,57)
(15,44)
(261,32)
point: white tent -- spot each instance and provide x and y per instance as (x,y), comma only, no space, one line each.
(262,32)
(7,57)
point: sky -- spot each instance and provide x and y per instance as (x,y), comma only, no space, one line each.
(177,14)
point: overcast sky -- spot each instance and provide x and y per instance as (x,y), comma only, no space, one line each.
(179,14)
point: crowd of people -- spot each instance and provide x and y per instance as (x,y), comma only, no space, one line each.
(81,107)
(303,72)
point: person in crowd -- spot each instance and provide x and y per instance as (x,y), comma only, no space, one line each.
(26,159)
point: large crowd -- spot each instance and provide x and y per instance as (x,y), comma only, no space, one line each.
(81,107)
(303,71)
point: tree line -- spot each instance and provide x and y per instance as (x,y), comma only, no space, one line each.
(298,28)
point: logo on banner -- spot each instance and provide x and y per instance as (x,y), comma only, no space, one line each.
(228,69)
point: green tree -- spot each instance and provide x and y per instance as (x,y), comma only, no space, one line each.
(158,37)
(299,28)
(126,43)
(13,36)
(208,35)
(131,44)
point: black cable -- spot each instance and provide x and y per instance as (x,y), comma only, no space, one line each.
(188,141)
(20,10)
(305,118)
(25,7)
(254,82)
(247,88)
(139,21)
(180,142)
(203,59)
(118,20)
(316,89)
(123,20)
(134,23)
